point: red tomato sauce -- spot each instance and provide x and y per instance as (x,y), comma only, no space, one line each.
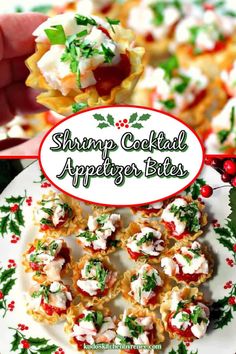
(187,333)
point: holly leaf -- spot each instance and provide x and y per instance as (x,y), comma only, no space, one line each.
(98,117)
(223,232)
(144,117)
(232,204)
(103,125)
(172,351)
(19,217)
(14,199)
(110,119)
(182,349)
(224,320)
(47,350)
(6,274)
(3,224)
(16,341)
(37,342)
(24,351)
(8,286)
(133,117)
(1,305)
(194,189)
(226,243)
(5,208)
(137,125)
(14,228)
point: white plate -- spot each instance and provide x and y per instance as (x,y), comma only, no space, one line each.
(27,184)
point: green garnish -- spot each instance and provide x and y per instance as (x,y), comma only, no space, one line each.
(108,54)
(181,87)
(187,258)
(101,272)
(134,327)
(56,34)
(123,340)
(112,23)
(95,317)
(102,219)
(150,282)
(76,107)
(84,20)
(88,235)
(169,104)
(169,66)
(224,133)
(44,9)
(47,211)
(146,238)
(188,214)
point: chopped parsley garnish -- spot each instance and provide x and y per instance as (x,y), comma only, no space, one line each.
(84,20)
(101,272)
(188,214)
(102,219)
(95,317)
(48,211)
(43,291)
(146,238)
(224,133)
(150,282)
(187,258)
(89,236)
(112,23)
(78,106)
(134,277)
(123,340)
(181,87)
(169,66)
(56,34)
(108,54)
(197,252)
(159,8)
(134,327)
(169,104)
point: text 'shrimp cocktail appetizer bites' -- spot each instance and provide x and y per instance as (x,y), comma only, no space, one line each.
(101,236)
(90,325)
(184,313)
(184,218)
(95,280)
(83,62)
(47,259)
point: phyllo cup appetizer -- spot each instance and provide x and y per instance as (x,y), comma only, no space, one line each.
(83,62)
(184,92)
(90,325)
(139,327)
(144,241)
(48,302)
(206,38)
(58,215)
(184,218)
(48,258)
(149,210)
(153,22)
(144,286)
(101,234)
(221,138)
(189,263)
(184,314)
(95,280)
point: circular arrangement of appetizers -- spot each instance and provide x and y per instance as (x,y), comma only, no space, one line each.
(170,262)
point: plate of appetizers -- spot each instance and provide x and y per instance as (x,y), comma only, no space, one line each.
(74,276)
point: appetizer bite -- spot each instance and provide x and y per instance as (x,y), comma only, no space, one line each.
(184,218)
(190,263)
(100,235)
(48,259)
(149,210)
(144,241)
(144,286)
(206,38)
(139,326)
(221,138)
(48,302)
(90,325)
(185,92)
(95,280)
(184,314)
(154,23)
(83,62)
(58,215)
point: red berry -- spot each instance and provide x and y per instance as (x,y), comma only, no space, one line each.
(208,161)
(206,191)
(122,124)
(216,163)
(234,247)
(125,120)
(230,167)
(25,344)
(1,295)
(225,177)
(232,300)
(119,121)
(233,182)
(126,125)
(14,208)
(117,124)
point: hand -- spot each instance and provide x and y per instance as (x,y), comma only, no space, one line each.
(16,45)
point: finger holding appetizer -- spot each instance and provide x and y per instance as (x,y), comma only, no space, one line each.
(58,215)
(144,286)
(189,263)
(139,326)
(185,314)
(184,218)
(48,302)
(83,62)
(144,241)
(101,236)
(48,259)
(90,325)
(95,280)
